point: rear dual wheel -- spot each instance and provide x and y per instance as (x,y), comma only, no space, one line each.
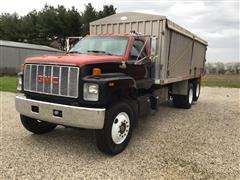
(196,88)
(184,101)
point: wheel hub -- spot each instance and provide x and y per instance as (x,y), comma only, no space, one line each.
(120,128)
(190,96)
(197,90)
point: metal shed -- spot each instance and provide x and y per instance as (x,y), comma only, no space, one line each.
(12,54)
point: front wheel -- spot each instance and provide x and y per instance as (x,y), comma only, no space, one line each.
(117,130)
(36,126)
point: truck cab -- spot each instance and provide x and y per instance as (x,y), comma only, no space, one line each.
(95,85)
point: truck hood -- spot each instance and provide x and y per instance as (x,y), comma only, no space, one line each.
(74,59)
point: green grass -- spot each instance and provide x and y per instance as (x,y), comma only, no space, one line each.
(8,83)
(221,84)
(221,80)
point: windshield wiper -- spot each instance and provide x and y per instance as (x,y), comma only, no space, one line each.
(101,52)
(71,52)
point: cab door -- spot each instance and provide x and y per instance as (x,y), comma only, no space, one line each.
(138,59)
(138,64)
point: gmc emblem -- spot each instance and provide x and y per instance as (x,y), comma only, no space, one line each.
(48,80)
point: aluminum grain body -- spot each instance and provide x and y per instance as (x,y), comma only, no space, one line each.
(180,53)
(81,117)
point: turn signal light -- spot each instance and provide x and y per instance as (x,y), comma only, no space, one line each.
(21,67)
(111,84)
(96,72)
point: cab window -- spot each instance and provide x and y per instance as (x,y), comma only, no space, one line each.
(136,49)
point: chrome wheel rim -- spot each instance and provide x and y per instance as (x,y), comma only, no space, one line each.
(120,128)
(190,96)
(197,90)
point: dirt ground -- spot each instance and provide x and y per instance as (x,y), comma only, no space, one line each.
(200,143)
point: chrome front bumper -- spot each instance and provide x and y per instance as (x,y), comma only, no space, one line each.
(91,118)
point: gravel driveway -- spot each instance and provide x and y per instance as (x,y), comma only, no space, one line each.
(200,143)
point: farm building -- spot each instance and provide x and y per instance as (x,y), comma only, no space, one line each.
(12,54)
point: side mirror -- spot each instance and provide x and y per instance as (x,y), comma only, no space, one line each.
(67,45)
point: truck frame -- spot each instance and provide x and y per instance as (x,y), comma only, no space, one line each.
(126,67)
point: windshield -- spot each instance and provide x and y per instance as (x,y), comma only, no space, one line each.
(111,45)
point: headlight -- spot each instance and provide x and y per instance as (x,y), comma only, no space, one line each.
(93,88)
(19,82)
(90,92)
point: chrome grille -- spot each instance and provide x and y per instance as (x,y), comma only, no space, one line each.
(51,79)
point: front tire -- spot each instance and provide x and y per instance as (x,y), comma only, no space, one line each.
(35,126)
(117,130)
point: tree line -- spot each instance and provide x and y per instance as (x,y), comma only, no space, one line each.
(222,68)
(50,26)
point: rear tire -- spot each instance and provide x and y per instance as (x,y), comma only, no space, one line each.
(117,130)
(184,101)
(177,101)
(196,88)
(35,126)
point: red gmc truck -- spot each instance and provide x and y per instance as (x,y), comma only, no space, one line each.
(126,67)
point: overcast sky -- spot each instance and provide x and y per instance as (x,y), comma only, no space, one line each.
(215,21)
